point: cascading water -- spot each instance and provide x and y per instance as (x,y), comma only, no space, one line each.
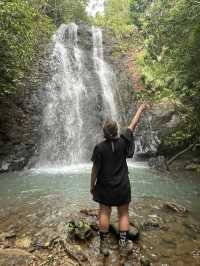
(62,123)
(79,97)
(105,73)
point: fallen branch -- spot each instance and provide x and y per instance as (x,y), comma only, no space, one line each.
(180,153)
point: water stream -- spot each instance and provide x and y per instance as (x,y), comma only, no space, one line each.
(106,75)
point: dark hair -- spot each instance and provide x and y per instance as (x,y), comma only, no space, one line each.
(110,129)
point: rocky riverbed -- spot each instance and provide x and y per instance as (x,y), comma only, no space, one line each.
(164,233)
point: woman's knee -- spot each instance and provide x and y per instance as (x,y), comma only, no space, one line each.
(123,210)
(104,209)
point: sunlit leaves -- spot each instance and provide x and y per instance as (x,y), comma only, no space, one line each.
(116,17)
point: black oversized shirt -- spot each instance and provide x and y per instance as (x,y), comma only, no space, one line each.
(109,158)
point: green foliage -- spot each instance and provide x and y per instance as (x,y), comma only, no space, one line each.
(116,18)
(170,57)
(23,31)
(62,11)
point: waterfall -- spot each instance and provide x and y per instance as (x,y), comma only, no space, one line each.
(80,94)
(78,98)
(63,121)
(105,73)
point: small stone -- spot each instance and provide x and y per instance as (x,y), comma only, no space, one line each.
(10,234)
(23,243)
(5,167)
(144,261)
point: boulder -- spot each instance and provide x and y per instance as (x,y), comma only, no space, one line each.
(158,163)
(79,229)
(164,117)
(133,231)
(152,222)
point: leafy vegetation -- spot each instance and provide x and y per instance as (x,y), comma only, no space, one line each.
(62,11)
(165,37)
(25,31)
(117,20)
(170,58)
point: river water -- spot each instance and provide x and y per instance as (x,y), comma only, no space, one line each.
(68,188)
(38,202)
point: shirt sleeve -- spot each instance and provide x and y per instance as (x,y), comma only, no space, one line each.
(96,157)
(127,135)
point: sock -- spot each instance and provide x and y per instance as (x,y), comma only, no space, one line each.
(123,235)
(103,235)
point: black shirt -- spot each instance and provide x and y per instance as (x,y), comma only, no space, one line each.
(109,158)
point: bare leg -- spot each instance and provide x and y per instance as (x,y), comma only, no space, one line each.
(123,217)
(104,222)
(125,246)
(104,218)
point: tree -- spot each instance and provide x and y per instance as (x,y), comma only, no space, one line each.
(22,32)
(170,57)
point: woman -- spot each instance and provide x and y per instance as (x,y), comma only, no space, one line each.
(110,183)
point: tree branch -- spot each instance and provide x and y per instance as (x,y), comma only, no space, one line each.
(180,153)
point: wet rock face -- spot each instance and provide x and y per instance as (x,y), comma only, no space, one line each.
(158,123)
(20,117)
(85,37)
(158,163)
(164,118)
(126,98)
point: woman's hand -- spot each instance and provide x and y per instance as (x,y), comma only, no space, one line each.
(144,106)
(138,114)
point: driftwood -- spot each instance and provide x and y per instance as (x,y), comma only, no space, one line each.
(175,207)
(180,153)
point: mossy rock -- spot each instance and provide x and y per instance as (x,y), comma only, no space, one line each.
(79,229)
